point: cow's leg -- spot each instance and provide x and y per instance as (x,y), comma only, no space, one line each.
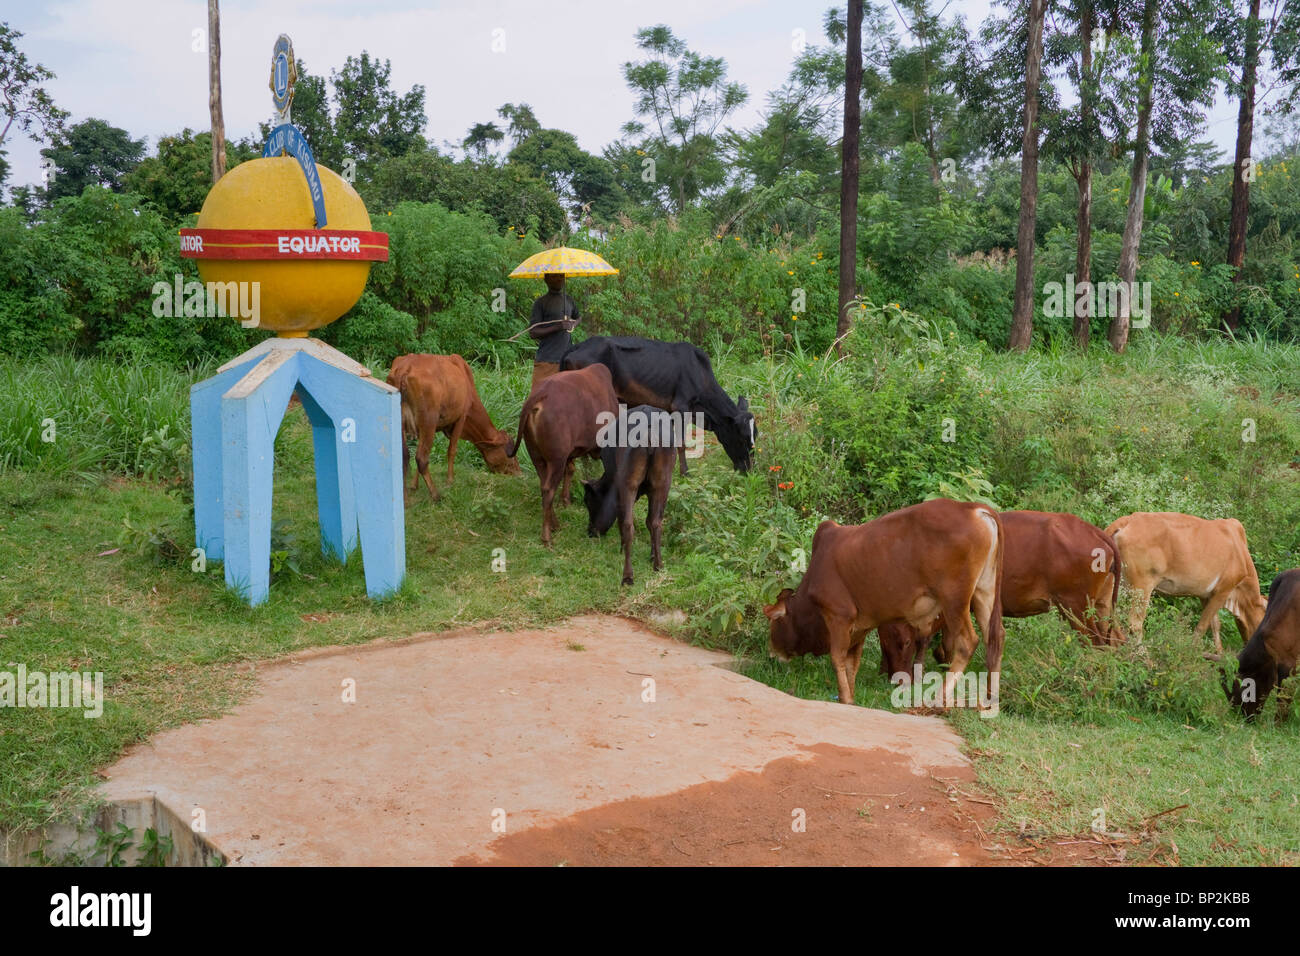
(626,528)
(453,437)
(422,460)
(654,523)
(1075,613)
(855,659)
(1137,614)
(549,473)
(956,622)
(681,459)
(837,630)
(994,634)
(566,493)
(1210,620)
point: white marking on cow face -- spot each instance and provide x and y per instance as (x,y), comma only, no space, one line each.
(752,437)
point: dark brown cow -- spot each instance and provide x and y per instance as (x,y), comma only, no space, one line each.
(1053,560)
(633,471)
(560,422)
(438,395)
(938,559)
(1269,657)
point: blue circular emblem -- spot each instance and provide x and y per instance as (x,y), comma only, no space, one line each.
(283,73)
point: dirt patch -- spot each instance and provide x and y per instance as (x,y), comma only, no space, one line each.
(418,751)
(856,807)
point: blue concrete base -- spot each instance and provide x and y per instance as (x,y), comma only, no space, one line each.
(357,433)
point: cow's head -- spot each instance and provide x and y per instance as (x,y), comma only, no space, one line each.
(738,434)
(1256,677)
(601,499)
(795,628)
(901,647)
(494,453)
(782,639)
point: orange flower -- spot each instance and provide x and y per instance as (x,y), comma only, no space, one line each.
(773,467)
(786,485)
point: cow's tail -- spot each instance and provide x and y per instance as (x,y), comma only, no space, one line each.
(1111,626)
(527,416)
(995,618)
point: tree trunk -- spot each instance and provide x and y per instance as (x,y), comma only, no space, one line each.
(214,92)
(1137,191)
(849,171)
(1022,313)
(1242,168)
(1083,220)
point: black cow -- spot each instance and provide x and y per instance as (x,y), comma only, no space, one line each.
(630,473)
(674,376)
(1269,657)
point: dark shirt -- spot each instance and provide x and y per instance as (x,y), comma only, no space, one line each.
(553,341)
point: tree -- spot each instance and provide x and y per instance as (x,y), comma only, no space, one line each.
(373,122)
(509,193)
(363,120)
(1250,40)
(214,92)
(1022,311)
(90,153)
(583,182)
(849,169)
(24,101)
(918,102)
(520,121)
(177,178)
(686,97)
(478,141)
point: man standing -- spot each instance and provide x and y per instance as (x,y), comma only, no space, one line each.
(554,316)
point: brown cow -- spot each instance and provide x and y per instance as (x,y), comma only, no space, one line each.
(1269,657)
(634,469)
(1181,554)
(939,558)
(560,422)
(1053,560)
(438,395)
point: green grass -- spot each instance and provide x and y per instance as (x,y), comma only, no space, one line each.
(1132,732)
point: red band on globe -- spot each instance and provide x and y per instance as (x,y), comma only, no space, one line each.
(284,244)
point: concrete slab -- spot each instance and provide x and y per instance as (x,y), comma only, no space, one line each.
(452,737)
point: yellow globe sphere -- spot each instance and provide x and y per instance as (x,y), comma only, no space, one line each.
(272,193)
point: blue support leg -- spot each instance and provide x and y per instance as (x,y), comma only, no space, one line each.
(251,412)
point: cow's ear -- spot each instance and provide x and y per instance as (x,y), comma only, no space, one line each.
(778,610)
(742,403)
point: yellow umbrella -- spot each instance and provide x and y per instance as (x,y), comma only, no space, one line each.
(564,260)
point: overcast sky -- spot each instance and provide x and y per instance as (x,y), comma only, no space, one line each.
(133,62)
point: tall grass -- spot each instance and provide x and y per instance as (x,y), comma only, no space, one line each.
(63,415)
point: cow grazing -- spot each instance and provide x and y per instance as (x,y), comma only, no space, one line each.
(560,422)
(630,473)
(1053,560)
(1180,554)
(1269,656)
(938,559)
(438,395)
(674,376)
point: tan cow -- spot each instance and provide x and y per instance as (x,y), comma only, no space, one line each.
(1178,554)
(438,395)
(938,559)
